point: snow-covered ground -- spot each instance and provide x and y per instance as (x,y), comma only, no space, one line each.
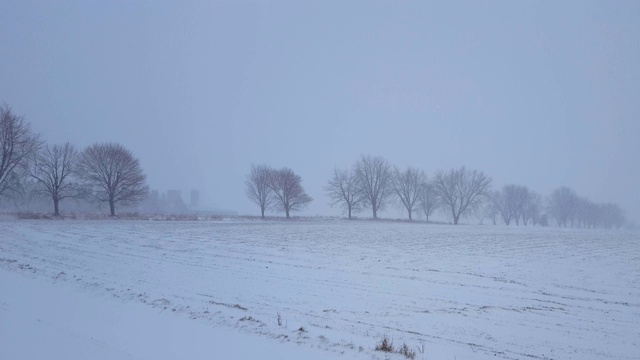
(466,292)
(41,320)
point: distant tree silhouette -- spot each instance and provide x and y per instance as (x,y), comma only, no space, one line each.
(17,143)
(374,177)
(461,190)
(113,174)
(53,168)
(428,200)
(562,205)
(344,190)
(408,185)
(511,202)
(257,187)
(531,208)
(287,190)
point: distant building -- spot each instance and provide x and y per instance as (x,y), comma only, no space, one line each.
(175,204)
(174,196)
(195,199)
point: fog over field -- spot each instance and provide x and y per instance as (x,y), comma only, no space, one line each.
(533,93)
(320,180)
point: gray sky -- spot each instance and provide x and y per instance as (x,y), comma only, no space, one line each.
(542,94)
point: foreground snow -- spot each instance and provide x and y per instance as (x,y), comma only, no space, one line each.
(41,320)
(206,289)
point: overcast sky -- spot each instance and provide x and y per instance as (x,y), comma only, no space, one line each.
(542,94)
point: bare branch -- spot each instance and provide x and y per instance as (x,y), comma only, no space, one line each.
(288,192)
(408,186)
(374,177)
(460,191)
(429,201)
(17,144)
(257,187)
(113,174)
(562,205)
(344,190)
(52,168)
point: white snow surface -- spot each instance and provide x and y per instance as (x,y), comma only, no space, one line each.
(242,290)
(41,320)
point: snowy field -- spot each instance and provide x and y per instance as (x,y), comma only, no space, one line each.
(315,289)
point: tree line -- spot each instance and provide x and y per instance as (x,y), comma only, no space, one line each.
(373,183)
(277,189)
(104,172)
(108,173)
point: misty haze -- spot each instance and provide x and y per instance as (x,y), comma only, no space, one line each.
(319,180)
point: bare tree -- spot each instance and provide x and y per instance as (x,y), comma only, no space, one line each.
(522,199)
(460,191)
(113,174)
(532,208)
(429,201)
(562,205)
(585,214)
(611,216)
(589,214)
(344,190)
(408,185)
(288,192)
(489,209)
(492,206)
(568,208)
(18,143)
(510,202)
(52,168)
(503,205)
(374,176)
(257,187)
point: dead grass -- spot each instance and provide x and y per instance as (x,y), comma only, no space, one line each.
(386,345)
(408,353)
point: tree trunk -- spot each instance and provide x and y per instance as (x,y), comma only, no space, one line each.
(112,207)
(287,211)
(55,207)
(374,208)
(349,212)
(262,211)
(409,211)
